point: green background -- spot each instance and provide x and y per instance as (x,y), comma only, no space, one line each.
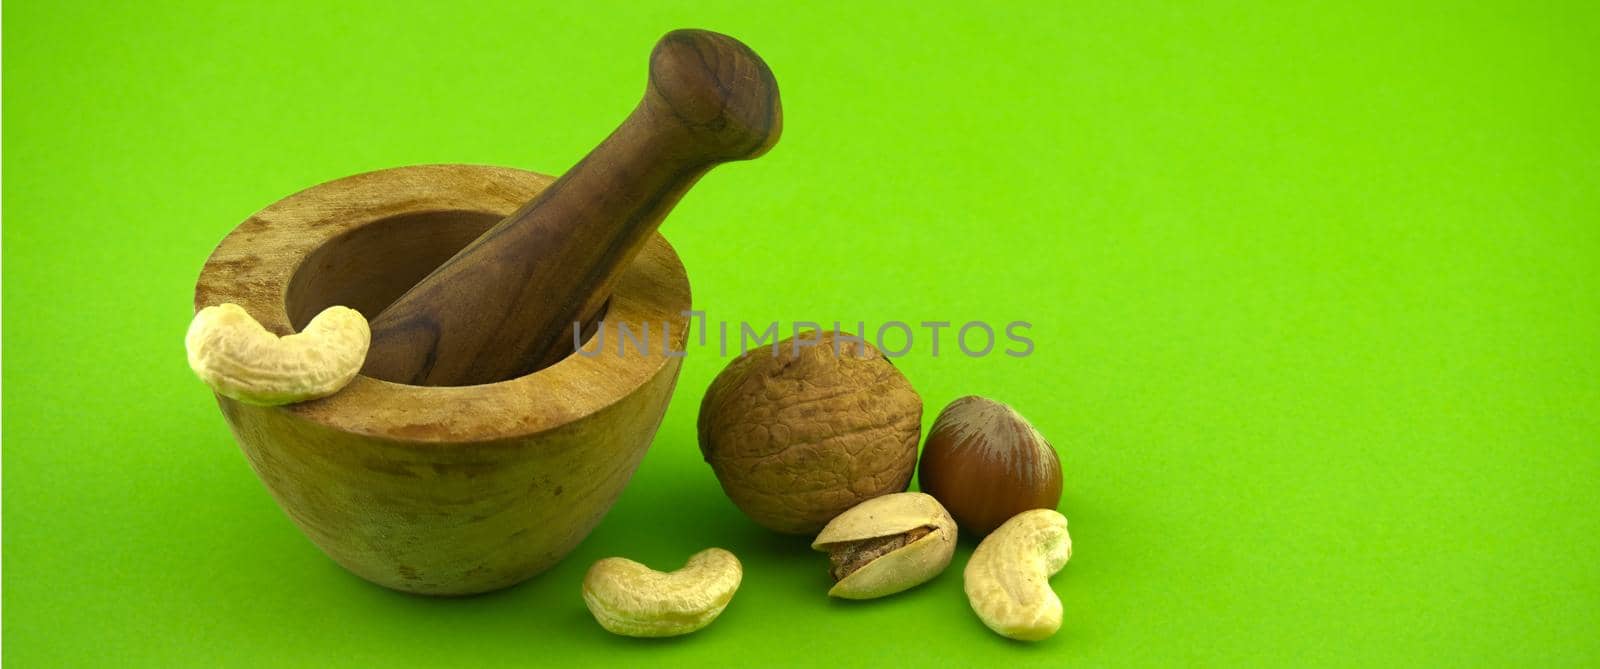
(1315,290)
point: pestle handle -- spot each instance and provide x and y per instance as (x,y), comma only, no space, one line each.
(505,305)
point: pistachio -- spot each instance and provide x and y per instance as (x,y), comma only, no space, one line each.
(887,544)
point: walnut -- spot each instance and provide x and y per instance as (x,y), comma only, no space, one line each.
(798,438)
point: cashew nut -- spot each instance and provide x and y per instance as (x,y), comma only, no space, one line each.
(631,599)
(887,544)
(238,358)
(1008,577)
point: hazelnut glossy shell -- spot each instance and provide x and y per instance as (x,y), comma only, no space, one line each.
(986,463)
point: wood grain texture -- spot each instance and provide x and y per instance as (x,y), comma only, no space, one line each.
(439,490)
(506,304)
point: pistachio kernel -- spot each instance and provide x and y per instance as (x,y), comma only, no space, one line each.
(847,557)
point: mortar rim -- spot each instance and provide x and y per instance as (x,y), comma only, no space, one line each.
(257,260)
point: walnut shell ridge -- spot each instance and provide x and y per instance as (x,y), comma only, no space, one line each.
(796,438)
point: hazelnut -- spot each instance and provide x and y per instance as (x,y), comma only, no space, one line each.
(986,463)
(798,437)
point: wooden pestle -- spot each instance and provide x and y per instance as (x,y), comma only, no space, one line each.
(505,305)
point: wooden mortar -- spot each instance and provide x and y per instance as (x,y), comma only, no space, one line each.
(430,489)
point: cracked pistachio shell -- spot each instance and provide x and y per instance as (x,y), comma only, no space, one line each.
(906,567)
